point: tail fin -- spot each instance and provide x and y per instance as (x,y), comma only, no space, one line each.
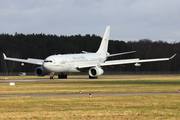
(104,43)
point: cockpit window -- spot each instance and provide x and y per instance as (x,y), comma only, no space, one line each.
(48,61)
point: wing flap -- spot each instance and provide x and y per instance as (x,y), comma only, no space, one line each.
(107,63)
(119,62)
(87,66)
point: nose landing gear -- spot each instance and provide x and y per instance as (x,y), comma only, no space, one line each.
(52,75)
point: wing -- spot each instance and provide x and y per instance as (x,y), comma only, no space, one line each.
(130,61)
(29,60)
(126,61)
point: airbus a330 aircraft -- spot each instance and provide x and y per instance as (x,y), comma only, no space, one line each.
(67,63)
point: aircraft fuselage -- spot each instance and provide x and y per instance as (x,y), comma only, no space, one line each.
(70,62)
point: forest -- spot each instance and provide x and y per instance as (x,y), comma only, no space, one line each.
(41,46)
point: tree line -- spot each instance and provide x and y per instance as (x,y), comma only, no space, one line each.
(41,45)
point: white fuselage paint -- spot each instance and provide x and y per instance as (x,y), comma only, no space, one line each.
(70,62)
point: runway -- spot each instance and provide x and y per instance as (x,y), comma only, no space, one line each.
(71,79)
(84,95)
(40,80)
(25,80)
(79,94)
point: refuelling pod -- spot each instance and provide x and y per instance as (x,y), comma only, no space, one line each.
(137,64)
(40,71)
(95,71)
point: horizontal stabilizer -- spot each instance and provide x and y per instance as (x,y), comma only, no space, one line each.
(86,52)
(120,53)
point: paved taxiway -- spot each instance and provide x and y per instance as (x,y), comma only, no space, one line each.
(83,95)
(70,79)
(78,95)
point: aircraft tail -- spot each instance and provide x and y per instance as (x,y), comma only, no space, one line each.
(104,43)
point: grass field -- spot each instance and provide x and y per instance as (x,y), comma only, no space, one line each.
(120,107)
(127,107)
(126,83)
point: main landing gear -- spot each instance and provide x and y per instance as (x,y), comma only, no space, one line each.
(62,76)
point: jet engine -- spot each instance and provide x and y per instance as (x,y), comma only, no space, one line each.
(95,71)
(40,71)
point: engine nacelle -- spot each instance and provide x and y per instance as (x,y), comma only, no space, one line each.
(95,71)
(40,71)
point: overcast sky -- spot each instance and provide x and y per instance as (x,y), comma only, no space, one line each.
(129,19)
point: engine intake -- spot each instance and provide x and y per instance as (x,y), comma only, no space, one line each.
(95,71)
(40,71)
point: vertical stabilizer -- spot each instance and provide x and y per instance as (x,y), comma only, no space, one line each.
(104,43)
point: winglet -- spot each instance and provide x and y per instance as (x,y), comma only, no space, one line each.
(4,56)
(172,56)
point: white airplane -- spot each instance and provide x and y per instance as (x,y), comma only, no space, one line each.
(67,63)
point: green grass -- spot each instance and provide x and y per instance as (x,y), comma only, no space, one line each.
(126,107)
(115,107)
(130,84)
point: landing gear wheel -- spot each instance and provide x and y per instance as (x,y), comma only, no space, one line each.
(51,75)
(62,76)
(90,77)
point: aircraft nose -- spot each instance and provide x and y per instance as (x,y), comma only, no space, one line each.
(46,64)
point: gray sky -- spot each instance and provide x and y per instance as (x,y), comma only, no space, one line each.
(129,19)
